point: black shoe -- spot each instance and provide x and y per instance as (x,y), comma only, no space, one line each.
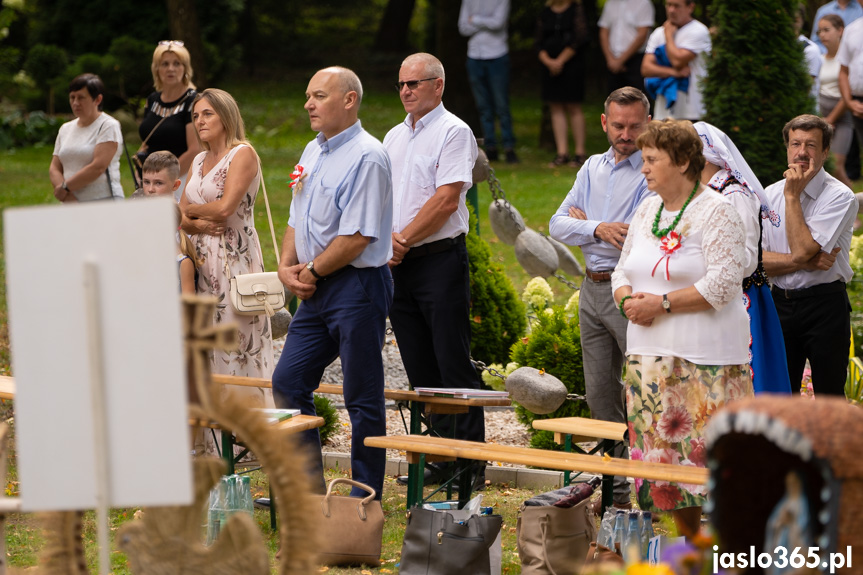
(511,158)
(491,154)
(262,503)
(433,474)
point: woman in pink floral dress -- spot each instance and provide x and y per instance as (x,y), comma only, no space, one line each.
(679,282)
(218,203)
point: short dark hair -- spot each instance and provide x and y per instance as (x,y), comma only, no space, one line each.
(679,140)
(808,123)
(92,82)
(627,96)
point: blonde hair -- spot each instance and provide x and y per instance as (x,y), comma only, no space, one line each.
(162,160)
(184,58)
(229,113)
(187,248)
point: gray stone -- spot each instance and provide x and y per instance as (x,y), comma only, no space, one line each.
(566,261)
(538,392)
(506,222)
(480,167)
(279,323)
(535,254)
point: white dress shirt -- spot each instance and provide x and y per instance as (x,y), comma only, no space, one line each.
(850,54)
(829,209)
(623,18)
(485,22)
(440,150)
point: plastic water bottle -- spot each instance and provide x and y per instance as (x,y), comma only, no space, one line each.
(618,540)
(631,551)
(605,537)
(646,532)
(246,503)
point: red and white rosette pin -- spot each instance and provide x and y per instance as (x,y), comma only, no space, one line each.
(668,244)
(297,176)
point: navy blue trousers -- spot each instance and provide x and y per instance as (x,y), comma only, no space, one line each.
(346,317)
(430,320)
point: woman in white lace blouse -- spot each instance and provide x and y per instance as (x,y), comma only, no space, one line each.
(679,282)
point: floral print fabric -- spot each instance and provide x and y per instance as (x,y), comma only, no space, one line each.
(254,357)
(668,402)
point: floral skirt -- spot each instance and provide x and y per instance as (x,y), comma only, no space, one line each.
(668,402)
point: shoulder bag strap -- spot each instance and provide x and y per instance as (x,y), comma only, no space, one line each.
(107,173)
(269,220)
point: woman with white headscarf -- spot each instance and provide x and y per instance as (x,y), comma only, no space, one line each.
(726,172)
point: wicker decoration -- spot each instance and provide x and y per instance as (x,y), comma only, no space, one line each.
(754,443)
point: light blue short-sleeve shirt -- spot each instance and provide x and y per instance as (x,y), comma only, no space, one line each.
(347,188)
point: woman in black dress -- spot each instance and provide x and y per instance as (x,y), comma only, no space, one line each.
(561,37)
(167,123)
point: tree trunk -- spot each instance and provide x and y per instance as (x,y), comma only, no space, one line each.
(451,48)
(183,25)
(392,35)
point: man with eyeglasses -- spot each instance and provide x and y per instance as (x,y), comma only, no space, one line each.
(432,154)
(485,23)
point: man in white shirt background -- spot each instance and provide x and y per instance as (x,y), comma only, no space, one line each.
(686,42)
(623,29)
(432,154)
(806,257)
(485,23)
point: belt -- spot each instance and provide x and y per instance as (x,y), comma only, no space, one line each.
(436,247)
(820,289)
(598,276)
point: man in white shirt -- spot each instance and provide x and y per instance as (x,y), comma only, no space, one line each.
(686,43)
(432,154)
(485,23)
(595,216)
(623,29)
(806,257)
(850,56)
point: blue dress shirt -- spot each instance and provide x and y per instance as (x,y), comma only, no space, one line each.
(605,192)
(347,189)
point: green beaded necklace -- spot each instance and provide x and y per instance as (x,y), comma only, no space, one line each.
(662,233)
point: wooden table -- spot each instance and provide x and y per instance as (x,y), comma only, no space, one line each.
(569,431)
(7,387)
(421,407)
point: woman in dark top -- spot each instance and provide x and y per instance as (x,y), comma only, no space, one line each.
(561,36)
(167,123)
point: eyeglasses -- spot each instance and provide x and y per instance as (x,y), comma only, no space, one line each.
(412,84)
(177,43)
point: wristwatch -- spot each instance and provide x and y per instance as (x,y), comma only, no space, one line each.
(666,305)
(311,267)
(64,186)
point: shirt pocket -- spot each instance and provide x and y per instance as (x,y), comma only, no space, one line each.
(423,172)
(323,205)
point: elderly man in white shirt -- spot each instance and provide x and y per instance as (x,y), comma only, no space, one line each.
(432,154)
(485,23)
(623,29)
(806,257)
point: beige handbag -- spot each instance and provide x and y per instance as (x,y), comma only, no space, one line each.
(259,293)
(554,540)
(354,527)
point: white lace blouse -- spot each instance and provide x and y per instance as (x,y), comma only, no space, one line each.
(712,257)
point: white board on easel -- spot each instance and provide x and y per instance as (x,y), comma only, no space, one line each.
(132,245)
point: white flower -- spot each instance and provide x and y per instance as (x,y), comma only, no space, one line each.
(537,294)
(572,303)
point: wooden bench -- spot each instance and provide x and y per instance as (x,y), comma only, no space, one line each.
(421,448)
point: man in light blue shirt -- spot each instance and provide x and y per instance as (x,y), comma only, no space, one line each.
(334,258)
(848,10)
(595,216)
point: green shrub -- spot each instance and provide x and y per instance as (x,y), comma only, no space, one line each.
(497,316)
(36,128)
(741,92)
(554,345)
(325,408)
(46,64)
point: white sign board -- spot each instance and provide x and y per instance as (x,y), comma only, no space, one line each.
(132,247)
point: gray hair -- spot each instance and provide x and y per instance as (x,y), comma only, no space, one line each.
(348,81)
(433,67)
